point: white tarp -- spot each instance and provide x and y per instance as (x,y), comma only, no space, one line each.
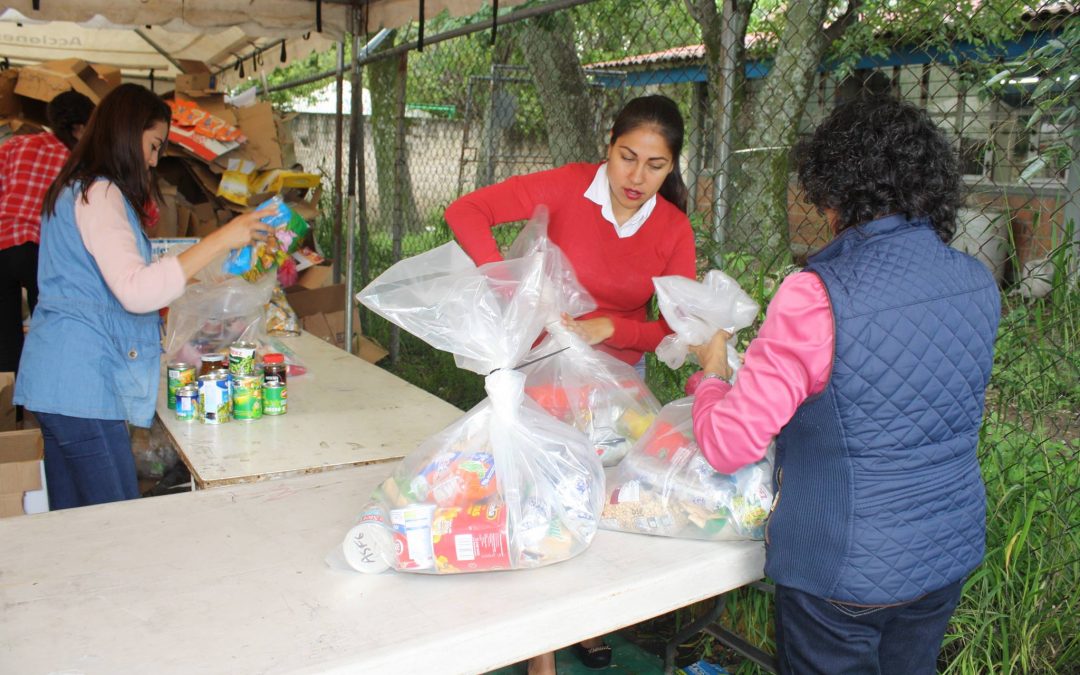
(215,32)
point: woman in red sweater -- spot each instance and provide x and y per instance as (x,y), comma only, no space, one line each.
(620,223)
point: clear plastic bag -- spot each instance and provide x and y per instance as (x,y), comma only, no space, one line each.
(507,486)
(666,487)
(591,391)
(211,315)
(696,310)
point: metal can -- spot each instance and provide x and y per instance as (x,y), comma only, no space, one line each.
(242,358)
(412,536)
(275,393)
(214,400)
(212,362)
(187,402)
(179,375)
(247,397)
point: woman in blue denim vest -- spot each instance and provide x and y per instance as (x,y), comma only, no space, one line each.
(871,371)
(90,363)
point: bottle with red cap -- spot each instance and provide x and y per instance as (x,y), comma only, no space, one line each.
(275,392)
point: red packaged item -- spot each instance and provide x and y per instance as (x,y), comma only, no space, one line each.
(471,539)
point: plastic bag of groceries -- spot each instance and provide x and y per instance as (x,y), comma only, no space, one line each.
(507,486)
(696,310)
(212,315)
(591,391)
(581,386)
(666,487)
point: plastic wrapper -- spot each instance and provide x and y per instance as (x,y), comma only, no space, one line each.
(591,391)
(281,319)
(212,315)
(666,487)
(507,486)
(287,233)
(696,310)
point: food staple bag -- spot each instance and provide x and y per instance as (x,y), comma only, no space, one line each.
(507,486)
(211,315)
(695,310)
(666,487)
(287,233)
(591,391)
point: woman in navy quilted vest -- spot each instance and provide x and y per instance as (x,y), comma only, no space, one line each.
(870,370)
(91,362)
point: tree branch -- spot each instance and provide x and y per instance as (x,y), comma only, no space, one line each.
(837,28)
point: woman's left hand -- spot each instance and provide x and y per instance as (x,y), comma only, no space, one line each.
(713,355)
(592,331)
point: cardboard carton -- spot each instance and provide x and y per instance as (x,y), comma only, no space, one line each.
(9,102)
(264,147)
(322,313)
(21,455)
(44,81)
(7,409)
(195,77)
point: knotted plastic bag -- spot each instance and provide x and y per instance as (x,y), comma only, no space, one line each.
(696,310)
(507,486)
(666,487)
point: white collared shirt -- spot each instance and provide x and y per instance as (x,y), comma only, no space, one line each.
(599,193)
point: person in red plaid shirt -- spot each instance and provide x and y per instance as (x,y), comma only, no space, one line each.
(28,166)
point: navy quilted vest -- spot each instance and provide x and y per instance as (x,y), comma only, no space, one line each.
(880,498)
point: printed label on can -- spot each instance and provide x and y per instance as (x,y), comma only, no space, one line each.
(470,539)
(412,536)
(179,375)
(247,403)
(242,358)
(369,545)
(187,403)
(214,401)
(275,400)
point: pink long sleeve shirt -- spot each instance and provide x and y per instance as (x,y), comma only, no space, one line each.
(789,361)
(106,233)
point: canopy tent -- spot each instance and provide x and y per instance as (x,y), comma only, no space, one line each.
(155,34)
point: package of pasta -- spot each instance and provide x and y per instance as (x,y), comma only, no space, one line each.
(664,486)
(287,233)
(591,391)
(507,486)
(695,310)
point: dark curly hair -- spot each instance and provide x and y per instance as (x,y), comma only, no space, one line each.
(67,111)
(875,156)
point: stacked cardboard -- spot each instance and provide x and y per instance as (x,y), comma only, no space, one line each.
(21,454)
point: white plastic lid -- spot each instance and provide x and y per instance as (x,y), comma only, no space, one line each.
(367,547)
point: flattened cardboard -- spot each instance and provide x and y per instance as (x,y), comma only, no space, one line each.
(263,147)
(322,313)
(195,77)
(45,80)
(21,453)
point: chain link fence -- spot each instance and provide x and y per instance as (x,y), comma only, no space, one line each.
(751,78)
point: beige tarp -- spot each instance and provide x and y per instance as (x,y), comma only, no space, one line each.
(216,32)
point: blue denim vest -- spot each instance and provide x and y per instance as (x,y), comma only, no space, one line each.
(879,495)
(86,356)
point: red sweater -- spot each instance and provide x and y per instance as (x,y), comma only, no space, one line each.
(617,272)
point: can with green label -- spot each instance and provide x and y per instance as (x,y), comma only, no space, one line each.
(179,375)
(247,397)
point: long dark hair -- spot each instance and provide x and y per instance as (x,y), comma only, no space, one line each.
(111,147)
(661,113)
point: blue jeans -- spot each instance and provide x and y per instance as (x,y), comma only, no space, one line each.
(87,461)
(818,636)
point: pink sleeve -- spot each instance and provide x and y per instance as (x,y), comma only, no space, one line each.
(789,361)
(103,224)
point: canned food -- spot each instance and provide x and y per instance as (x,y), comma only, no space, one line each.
(187,402)
(179,375)
(214,401)
(247,397)
(369,546)
(212,362)
(412,536)
(242,358)
(275,394)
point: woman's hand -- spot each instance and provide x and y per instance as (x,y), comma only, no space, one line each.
(592,331)
(244,229)
(713,355)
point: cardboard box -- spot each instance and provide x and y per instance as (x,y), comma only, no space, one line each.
(195,77)
(44,81)
(21,455)
(264,147)
(9,102)
(322,313)
(7,408)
